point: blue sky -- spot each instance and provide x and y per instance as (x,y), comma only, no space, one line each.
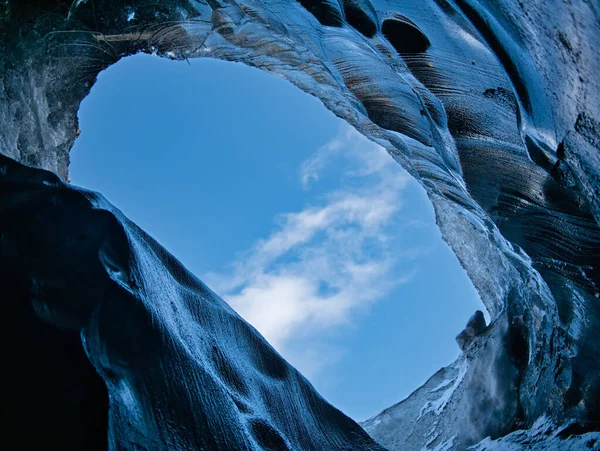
(309,230)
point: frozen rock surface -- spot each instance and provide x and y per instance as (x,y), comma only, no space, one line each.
(493,105)
(474,327)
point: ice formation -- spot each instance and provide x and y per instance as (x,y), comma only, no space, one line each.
(493,105)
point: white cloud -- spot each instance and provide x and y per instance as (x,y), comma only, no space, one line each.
(324,264)
(309,171)
(351,144)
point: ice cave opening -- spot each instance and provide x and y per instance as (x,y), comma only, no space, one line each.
(313,233)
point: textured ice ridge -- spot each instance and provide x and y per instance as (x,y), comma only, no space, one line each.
(493,105)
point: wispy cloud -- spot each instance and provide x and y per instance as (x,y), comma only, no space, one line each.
(350,144)
(321,266)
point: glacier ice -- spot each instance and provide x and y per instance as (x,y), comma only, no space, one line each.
(176,367)
(493,105)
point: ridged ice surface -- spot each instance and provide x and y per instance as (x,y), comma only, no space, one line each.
(493,105)
(182,369)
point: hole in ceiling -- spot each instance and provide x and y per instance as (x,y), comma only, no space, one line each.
(327,12)
(309,230)
(404,35)
(361,16)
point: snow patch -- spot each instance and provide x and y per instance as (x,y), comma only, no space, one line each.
(437,406)
(444,446)
(444,383)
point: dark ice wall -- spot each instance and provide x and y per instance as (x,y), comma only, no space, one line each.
(174,367)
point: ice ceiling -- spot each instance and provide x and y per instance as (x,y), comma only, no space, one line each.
(492,105)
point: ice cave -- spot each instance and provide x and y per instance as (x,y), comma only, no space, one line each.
(493,106)
(310,231)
